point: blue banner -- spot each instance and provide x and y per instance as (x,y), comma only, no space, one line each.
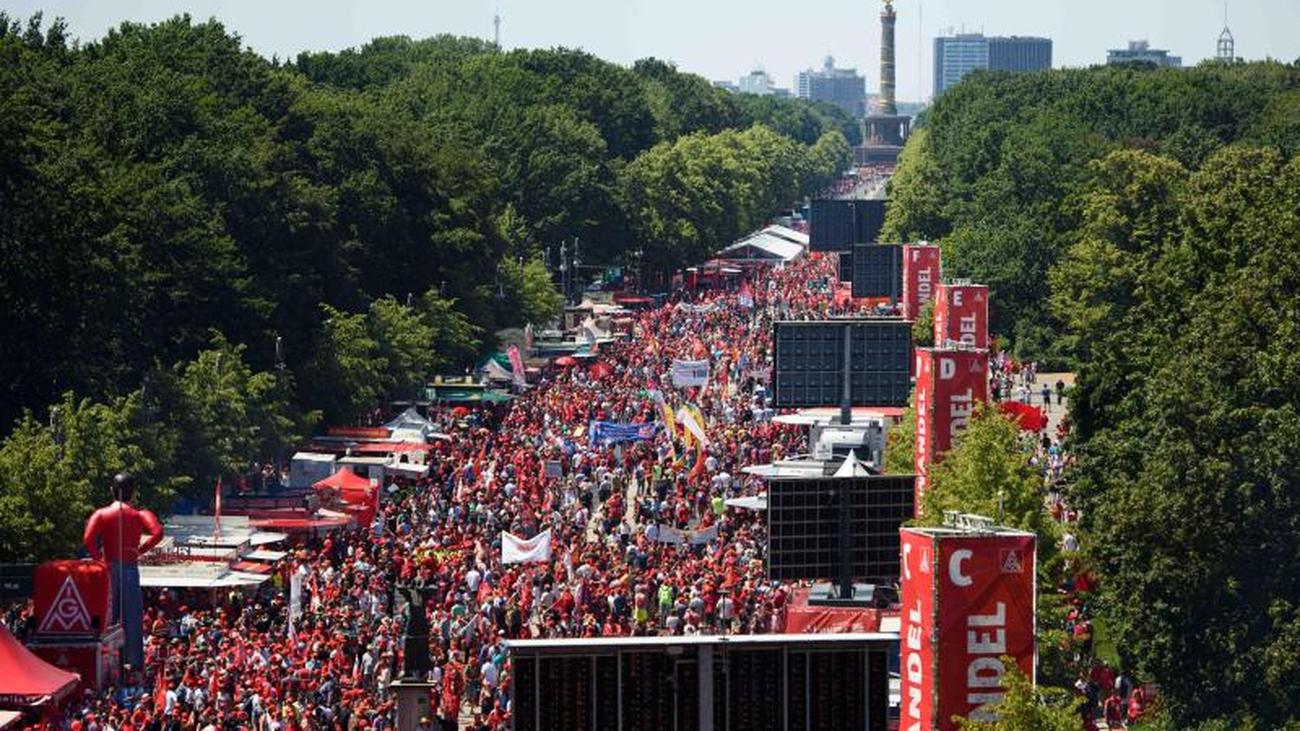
(608,432)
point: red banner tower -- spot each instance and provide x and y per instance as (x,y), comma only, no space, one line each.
(961,314)
(968,599)
(949,382)
(921,269)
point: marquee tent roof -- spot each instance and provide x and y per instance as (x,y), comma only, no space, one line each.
(774,243)
(27,680)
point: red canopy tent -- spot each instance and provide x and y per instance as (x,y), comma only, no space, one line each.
(357,494)
(26,680)
(344,481)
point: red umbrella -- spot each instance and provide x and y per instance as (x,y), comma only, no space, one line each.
(601,370)
(566,361)
(1026,417)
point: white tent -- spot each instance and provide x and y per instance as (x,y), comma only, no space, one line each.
(774,244)
(410,425)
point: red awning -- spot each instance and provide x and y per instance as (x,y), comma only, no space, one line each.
(302,523)
(252,567)
(391,447)
(27,680)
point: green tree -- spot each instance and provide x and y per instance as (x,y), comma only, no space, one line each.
(1185,476)
(532,294)
(923,327)
(1026,707)
(900,443)
(53,474)
(988,473)
(228,415)
(916,195)
(349,372)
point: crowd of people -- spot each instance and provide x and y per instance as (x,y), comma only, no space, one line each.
(253,660)
(250,660)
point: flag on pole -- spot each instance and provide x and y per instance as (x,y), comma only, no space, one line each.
(216,519)
(516,366)
(692,425)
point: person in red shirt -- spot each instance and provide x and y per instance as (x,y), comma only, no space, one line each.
(113,535)
(1113,709)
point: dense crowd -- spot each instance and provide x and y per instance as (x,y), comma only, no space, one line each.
(249,660)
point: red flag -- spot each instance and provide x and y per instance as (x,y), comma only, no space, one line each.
(160,691)
(216,521)
(698,470)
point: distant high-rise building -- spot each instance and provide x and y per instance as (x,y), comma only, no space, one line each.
(1020,54)
(842,87)
(756,82)
(958,55)
(1142,52)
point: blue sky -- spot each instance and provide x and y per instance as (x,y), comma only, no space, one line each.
(723,39)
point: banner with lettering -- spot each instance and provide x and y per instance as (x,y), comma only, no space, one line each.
(688,373)
(984,611)
(606,433)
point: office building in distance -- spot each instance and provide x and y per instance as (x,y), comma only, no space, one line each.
(958,55)
(842,87)
(1142,52)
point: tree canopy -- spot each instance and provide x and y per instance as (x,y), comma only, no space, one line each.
(1140,225)
(249,244)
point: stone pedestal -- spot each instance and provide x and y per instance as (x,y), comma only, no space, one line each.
(412,702)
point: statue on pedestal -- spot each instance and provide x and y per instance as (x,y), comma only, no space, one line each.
(415,643)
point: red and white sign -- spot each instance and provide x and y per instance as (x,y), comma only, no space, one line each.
(968,600)
(961,313)
(923,451)
(72,597)
(948,385)
(96,660)
(917,671)
(960,380)
(921,264)
(985,611)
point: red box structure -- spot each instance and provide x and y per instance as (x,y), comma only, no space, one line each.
(968,599)
(74,607)
(949,382)
(72,598)
(921,273)
(97,659)
(961,314)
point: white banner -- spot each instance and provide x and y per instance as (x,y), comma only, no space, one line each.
(678,537)
(295,598)
(690,373)
(534,550)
